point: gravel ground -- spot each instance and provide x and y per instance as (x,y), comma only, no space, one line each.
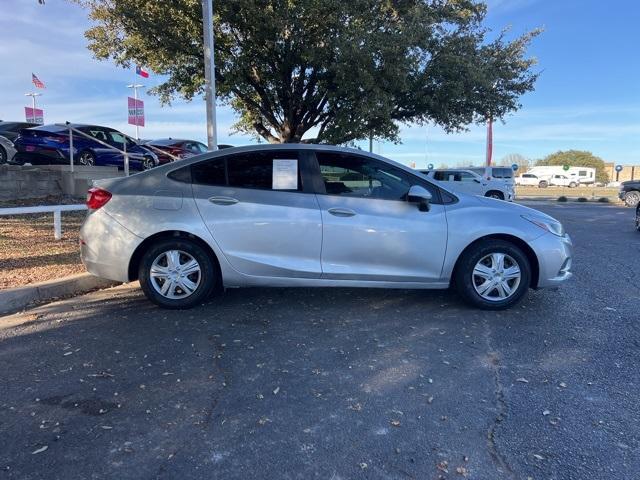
(336,383)
(29,253)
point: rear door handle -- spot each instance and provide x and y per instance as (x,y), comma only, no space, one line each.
(223,200)
(341,212)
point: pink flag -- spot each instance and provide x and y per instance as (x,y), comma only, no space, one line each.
(34,115)
(136,112)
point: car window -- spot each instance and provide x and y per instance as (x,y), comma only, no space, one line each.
(452,176)
(502,173)
(357,176)
(271,170)
(529,175)
(467,177)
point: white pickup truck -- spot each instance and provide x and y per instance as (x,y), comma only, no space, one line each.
(563,181)
(466,181)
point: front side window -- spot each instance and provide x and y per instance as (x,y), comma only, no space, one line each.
(356,176)
(502,173)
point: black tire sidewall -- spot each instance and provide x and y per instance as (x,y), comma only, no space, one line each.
(209,273)
(4,156)
(464,280)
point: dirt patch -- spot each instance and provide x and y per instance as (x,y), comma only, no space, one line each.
(29,253)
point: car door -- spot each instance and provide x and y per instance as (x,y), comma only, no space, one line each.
(103,154)
(370,231)
(263,217)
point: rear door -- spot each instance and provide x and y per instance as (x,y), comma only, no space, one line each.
(261,213)
(370,231)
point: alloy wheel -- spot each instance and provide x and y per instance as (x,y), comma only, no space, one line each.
(496,277)
(86,158)
(175,274)
(147,163)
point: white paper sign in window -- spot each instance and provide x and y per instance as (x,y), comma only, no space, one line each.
(285,174)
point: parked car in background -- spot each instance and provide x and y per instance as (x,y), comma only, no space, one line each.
(466,181)
(10,130)
(531,180)
(49,144)
(630,193)
(504,174)
(313,216)
(563,181)
(7,150)
(582,175)
(8,133)
(178,148)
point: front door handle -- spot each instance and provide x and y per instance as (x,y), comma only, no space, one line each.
(341,212)
(223,200)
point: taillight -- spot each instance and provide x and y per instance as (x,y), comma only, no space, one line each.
(97,198)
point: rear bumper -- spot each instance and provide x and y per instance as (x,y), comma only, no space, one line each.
(40,156)
(106,247)
(555,257)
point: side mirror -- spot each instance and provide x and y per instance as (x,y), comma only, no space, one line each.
(421,196)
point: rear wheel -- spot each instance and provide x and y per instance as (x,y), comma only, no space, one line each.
(543,184)
(87,158)
(493,275)
(573,185)
(177,273)
(148,163)
(632,198)
(495,194)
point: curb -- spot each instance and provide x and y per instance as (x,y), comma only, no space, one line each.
(15,299)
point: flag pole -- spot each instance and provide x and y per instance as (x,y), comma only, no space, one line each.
(209,73)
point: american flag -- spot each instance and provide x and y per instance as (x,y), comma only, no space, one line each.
(36,81)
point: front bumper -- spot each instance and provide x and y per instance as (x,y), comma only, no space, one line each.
(106,247)
(555,258)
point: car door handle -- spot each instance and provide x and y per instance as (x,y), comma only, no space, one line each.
(341,212)
(223,200)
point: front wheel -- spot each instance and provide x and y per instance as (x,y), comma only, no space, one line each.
(493,275)
(543,184)
(177,273)
(632,199)
(148,163)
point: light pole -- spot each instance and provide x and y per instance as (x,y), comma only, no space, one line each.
(33,96)
(209,73)
(135,87)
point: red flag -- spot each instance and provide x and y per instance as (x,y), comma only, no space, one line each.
(36,81)
(489,141)
(142,72)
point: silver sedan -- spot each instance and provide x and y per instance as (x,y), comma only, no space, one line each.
(309,215)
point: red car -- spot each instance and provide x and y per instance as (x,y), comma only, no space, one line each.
(178,148)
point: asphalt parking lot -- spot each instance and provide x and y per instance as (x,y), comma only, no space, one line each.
(335,383)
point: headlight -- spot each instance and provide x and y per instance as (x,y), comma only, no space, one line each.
(547,224)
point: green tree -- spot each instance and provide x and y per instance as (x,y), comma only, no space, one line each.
(577,158)
(334,70)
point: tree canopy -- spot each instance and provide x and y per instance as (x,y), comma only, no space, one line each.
(577,158)
(332,71)
(515,159)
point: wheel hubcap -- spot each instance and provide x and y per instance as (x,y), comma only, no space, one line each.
(175,274)
(496,277)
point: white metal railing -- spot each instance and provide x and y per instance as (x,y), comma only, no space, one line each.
(56,209)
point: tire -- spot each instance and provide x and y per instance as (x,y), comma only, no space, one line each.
(475,267)
(3,155)
(543,184)
(158,256)
(632,198)
(495,194)
(148,163)
(86,158)
(573,185)
(638,217)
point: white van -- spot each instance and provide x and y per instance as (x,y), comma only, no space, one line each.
(466,181)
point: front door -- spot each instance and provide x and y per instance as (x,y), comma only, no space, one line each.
(370,230)
(256,209)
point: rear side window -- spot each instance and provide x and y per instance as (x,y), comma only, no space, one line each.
(502,172)
(257,170)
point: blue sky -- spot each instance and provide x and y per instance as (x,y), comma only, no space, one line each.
(587,97)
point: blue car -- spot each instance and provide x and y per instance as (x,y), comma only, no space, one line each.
(49,144)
